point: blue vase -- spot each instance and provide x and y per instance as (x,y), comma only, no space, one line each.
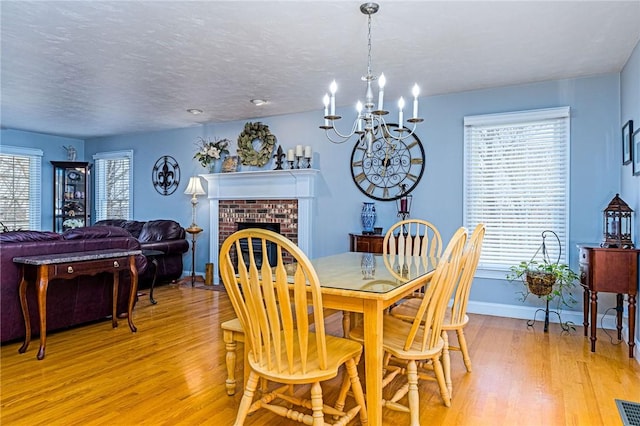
(368,217)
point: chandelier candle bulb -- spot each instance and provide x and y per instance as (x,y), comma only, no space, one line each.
(400,108)
(415,92)
(359,109)
(333,88)
(325,101)
(381,82)
(307,151)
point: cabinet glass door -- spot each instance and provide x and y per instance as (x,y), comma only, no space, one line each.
(70,195)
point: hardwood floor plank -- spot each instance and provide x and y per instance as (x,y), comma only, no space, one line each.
(172,372)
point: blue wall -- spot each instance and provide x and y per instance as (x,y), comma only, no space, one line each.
(630,110)
(595,164)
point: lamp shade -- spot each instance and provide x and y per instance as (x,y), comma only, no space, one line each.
(194,187)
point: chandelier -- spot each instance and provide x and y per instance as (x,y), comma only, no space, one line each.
(370,124)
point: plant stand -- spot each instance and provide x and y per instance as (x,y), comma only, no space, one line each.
(565,326)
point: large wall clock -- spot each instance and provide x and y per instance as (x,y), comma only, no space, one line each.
(382,175)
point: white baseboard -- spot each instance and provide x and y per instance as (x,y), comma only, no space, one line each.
(528,312)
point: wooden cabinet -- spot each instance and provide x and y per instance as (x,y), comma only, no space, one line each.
(366,243)
(70,195)
(611,270)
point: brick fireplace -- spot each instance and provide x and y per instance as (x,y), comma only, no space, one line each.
(286,197)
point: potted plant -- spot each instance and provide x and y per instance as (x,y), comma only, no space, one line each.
(552,281)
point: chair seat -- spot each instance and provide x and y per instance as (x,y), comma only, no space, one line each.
(339,350)
(407,311)
(395,333)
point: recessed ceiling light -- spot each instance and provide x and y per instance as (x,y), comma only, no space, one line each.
(258,102)
(194,111)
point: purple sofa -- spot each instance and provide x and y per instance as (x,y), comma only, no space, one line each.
(69,302)
(164,235)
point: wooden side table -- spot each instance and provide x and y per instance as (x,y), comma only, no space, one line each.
(43,268)
(610,270)
(366,243)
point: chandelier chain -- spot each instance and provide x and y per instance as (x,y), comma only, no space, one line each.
(369,51)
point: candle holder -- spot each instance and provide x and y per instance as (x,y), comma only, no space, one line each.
(404,203)
(290,164)
(298,161)
(308,162)
(279,155)
(617,227)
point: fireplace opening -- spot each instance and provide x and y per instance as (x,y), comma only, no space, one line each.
(257,245)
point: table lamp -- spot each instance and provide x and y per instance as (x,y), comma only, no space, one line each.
(194,189)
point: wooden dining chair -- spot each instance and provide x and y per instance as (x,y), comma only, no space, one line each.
(408,246)
(456,315)
(284,346)
(421,339)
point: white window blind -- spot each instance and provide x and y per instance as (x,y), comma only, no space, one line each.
(516,182)
(113,183)
(20,188)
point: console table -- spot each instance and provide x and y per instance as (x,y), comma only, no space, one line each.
(612,270)
(44,268)
(366,243)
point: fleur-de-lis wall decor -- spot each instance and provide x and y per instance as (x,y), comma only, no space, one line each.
(166,175)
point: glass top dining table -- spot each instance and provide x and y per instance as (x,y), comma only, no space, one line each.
(368,283)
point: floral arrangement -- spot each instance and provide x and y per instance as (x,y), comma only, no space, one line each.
(209,151)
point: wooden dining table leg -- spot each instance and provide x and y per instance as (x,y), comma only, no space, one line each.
(373,356)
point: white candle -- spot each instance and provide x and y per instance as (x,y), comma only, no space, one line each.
(298,150)
(415,92)
(333,88)
(381,82)
(325,100)
(359,109)
(290,155)
(307,151)
(400,107)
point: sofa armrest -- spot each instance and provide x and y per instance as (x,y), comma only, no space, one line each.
(167,246)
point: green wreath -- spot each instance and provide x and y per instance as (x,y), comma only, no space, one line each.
(248,154)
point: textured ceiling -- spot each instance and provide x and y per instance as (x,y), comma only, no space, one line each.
(96,68)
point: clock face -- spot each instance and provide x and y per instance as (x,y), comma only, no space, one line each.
(390,166)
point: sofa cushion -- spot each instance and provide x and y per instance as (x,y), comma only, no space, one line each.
(93,232)
(26,236)
(159,230)
(134,227)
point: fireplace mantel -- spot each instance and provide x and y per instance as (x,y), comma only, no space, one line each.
(297,184)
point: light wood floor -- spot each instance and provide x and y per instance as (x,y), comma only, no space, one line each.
(172,372)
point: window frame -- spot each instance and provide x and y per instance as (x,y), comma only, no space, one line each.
(99,197)
(494,269)
(35,181)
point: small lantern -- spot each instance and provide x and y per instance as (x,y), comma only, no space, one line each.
(617,225)
(404,203)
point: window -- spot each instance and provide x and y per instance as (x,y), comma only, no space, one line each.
(20,183)
(114,179)
(516,182)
